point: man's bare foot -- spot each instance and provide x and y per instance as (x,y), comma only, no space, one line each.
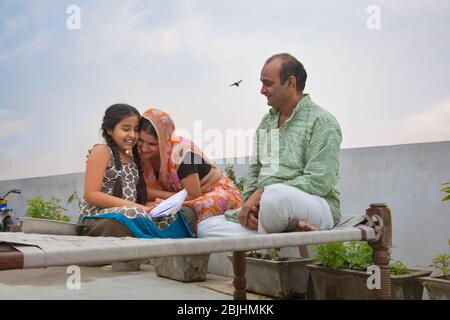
(303,226)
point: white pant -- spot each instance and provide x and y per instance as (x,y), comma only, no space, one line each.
(219,226)
(283,206)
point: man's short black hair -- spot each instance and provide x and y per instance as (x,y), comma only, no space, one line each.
(290,66)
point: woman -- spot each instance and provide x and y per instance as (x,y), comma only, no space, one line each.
(172,163)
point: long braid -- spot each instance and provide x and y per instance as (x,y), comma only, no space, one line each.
(117,190)
(141,186)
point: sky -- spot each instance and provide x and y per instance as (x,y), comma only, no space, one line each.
(380,67)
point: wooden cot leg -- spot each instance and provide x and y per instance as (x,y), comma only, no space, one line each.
(381,247)
(10,258)
(304,252)
(239,282)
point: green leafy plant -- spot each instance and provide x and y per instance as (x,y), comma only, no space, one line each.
(274,254)
(332,255)
(359,255)
(240,184)
(51,209)
(268,254)
(442,264)
(353,255)
(74,197)
(398,268)
(446,190)
(229,171)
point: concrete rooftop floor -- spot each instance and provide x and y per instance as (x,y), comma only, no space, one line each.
(104,284)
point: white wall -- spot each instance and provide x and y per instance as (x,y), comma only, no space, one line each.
(408,178)
(60,186)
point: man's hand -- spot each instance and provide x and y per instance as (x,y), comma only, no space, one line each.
(249,212)
(252,221)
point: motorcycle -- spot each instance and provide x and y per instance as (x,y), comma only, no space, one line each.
(6,214)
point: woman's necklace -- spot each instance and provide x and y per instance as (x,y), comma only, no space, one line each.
(125,157)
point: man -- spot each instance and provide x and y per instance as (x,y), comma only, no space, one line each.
(292,182)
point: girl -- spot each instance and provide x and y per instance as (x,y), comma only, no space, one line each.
(114,192)
(171,163)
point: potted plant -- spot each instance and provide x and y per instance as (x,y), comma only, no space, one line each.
(40,208)
(47,217)
(438,285)
(341,273)
(269,274)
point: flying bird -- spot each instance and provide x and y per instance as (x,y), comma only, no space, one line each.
(236,83)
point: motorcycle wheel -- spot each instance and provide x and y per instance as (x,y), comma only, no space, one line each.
(7,224)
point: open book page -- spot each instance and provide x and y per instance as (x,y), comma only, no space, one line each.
(170,205)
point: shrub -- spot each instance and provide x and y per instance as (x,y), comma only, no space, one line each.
(74,197)
(353,255)
(229,171)
(442,264)
(267,254)
(332,255)
(398,268)
(446,190)
(51,209)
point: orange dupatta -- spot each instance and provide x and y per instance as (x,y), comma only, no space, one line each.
(172,150)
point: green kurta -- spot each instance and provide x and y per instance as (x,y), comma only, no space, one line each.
(303,153)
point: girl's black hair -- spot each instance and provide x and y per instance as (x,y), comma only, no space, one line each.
(113,115)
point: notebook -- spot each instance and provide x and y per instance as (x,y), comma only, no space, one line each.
(169,206)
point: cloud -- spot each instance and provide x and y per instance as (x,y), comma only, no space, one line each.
(24,31)
(11,126)
(131,37)
(188,57)
(15,165)
(422,126)
(181,57)
(430,125)
(40,42)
